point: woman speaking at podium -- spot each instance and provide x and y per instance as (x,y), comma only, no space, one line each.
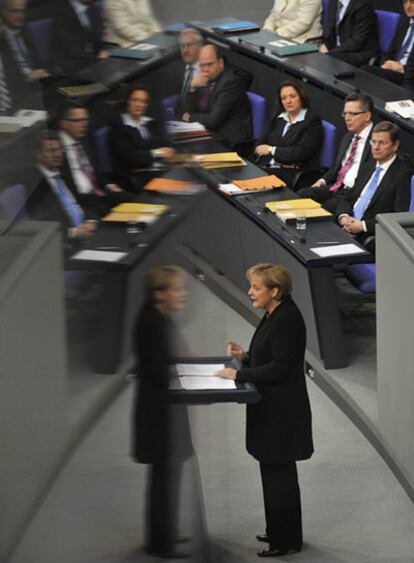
(278,427)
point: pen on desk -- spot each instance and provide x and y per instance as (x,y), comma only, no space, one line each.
(107,248)
(328,242)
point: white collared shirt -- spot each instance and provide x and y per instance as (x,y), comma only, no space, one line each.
(141,125)
(82,182)
(404,58)
(284,115)
(350,176)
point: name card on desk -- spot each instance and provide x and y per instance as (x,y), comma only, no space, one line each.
(337,250)
(99,255)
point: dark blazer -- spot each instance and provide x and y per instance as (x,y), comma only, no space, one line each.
(71,45)
(392,194)
(131,151)
(331,174)
(228,112)
(357,32)
(160,429)
(23,93)
(278,427)
(300,145)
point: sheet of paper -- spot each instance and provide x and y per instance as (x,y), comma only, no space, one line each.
(205,382)
(201,370)
(184,126)
(230,189)
(337,250)
(100,255)
(144,46)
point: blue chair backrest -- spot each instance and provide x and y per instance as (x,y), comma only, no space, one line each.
(325,5)
(40,32)
(411,208)
(12,202)
(327,154)
(258,104)
(387,24)
(169,105)
(103,151)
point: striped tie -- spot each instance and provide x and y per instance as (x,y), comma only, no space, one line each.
(346,166)
(5,99)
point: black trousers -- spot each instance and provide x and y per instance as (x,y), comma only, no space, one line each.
(282,504)
(162,505)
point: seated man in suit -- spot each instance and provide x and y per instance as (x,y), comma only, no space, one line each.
(92,189)
(52,199)
(191,42)
(217,99)
(397,65)
(383,186)
(354,151)
(19,55)
(129,21)
(351,34)
(299,20)
(76,36)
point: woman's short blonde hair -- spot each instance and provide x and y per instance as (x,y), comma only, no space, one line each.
(272,275)
(161,278)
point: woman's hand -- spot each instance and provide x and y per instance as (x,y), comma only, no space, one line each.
(263,150)
(235,351)
(227,373)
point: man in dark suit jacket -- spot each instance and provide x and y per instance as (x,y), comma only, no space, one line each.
(351,34)
(19,56)
(52,199)
(383,186)
(354,151)
(76,36)
(92,189)
(218,99)
(397,65)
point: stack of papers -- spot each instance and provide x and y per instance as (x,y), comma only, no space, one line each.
(289,210)
(183,131)
(135,212)
(219,160)
(83,90)
(202,376)
(263,183)
(286,47)
(23,118)
(171,186)
(141,51)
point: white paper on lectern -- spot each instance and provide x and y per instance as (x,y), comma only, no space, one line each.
(204,382)
(337,250)
(100,255)
(203,370)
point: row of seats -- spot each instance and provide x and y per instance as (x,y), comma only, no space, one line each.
(40,29)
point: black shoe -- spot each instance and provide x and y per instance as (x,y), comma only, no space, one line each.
(167,553)
(263,537)
(277,552)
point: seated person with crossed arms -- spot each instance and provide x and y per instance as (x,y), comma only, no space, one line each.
(293,137)
(299,20)
(382,186)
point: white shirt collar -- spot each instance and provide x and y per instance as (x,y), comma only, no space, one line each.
(67,140)
(300,117)
(127,120)
(364,134)
(387,164)
(47,173)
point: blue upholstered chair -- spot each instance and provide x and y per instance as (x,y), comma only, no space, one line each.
(363,276)
(101,138)
(40,33)
(327,155)
(258,104)
(387,24)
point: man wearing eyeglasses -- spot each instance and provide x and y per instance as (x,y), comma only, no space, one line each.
(354,151)
(191,42)
(93,190)
(397,65)
(383,186)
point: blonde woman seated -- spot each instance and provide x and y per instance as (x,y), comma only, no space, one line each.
(299,20)
(129,21)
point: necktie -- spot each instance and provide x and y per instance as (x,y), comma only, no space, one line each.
(338,21)
(187,81)
(20,51)
(71,208)
(5,99)
(363,202)
(346,166)
(203,102)
(408,39)
(86,168)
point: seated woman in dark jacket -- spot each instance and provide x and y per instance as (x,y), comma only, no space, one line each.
(293,137)
(137,142)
